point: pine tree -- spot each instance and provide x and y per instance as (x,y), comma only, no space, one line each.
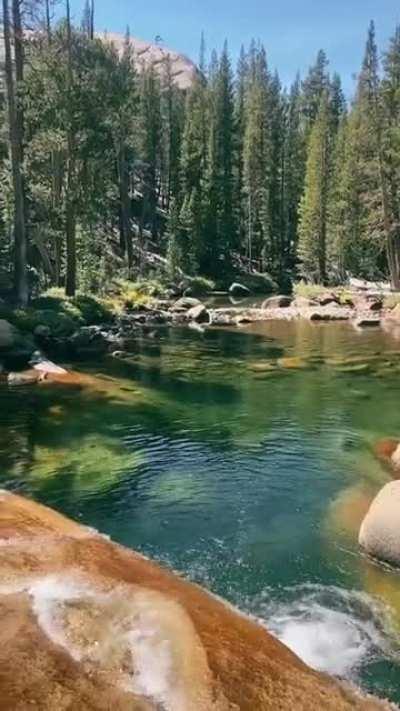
(313,207)
(390,138)
(313,88)
(12,30)
(242,79)
(256,159)
(193,168)
(150,146)
(295,167)
(172,121)
(274,251)
(221,216)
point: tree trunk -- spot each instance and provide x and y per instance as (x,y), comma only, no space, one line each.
(91,32)
(15,118)
(48,21)
(126,226)
(70,281)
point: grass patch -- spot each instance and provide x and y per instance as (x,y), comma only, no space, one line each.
(309,291)
(128,294)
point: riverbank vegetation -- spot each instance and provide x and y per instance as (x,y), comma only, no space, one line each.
(110,171)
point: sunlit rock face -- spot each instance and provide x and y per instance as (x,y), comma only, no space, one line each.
(147,54)
(86,624)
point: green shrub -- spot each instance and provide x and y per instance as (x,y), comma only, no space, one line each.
(92,311)
(199,286)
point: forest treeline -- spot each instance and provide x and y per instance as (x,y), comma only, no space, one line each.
(103,160)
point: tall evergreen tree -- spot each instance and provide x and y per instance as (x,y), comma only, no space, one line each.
(313,207)
(193,165)
(295,165)
(313,87)
(256,159)
(221,215)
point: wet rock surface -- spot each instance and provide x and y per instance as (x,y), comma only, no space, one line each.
(87,624)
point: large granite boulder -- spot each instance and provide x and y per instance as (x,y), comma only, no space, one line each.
(380,530)
(87,624)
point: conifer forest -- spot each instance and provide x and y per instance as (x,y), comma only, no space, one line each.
(105,161)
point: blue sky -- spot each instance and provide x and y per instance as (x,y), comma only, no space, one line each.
(292,30)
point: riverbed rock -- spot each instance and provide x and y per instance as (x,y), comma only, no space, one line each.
(301,302)
(329,313)
(367,321)
(384,450)
(89,341)
(185,303)
(237,289)
(277,302)
(199,313)
(47,367)
(380,530)
(369,302)
(328,299)
(90,624)
(25,377)
(293,363)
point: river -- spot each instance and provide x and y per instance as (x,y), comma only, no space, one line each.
(243,459)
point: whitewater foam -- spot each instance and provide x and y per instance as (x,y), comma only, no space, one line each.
(331,629)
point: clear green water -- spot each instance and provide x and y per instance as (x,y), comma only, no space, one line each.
(245,475)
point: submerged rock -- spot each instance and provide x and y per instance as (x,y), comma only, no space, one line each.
(367,321)
(293,363)
(380,529)
(388,451)
(94,625)
(199,313)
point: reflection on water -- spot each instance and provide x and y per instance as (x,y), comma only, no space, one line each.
(245,460)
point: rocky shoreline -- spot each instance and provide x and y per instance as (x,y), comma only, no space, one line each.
(118,337)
